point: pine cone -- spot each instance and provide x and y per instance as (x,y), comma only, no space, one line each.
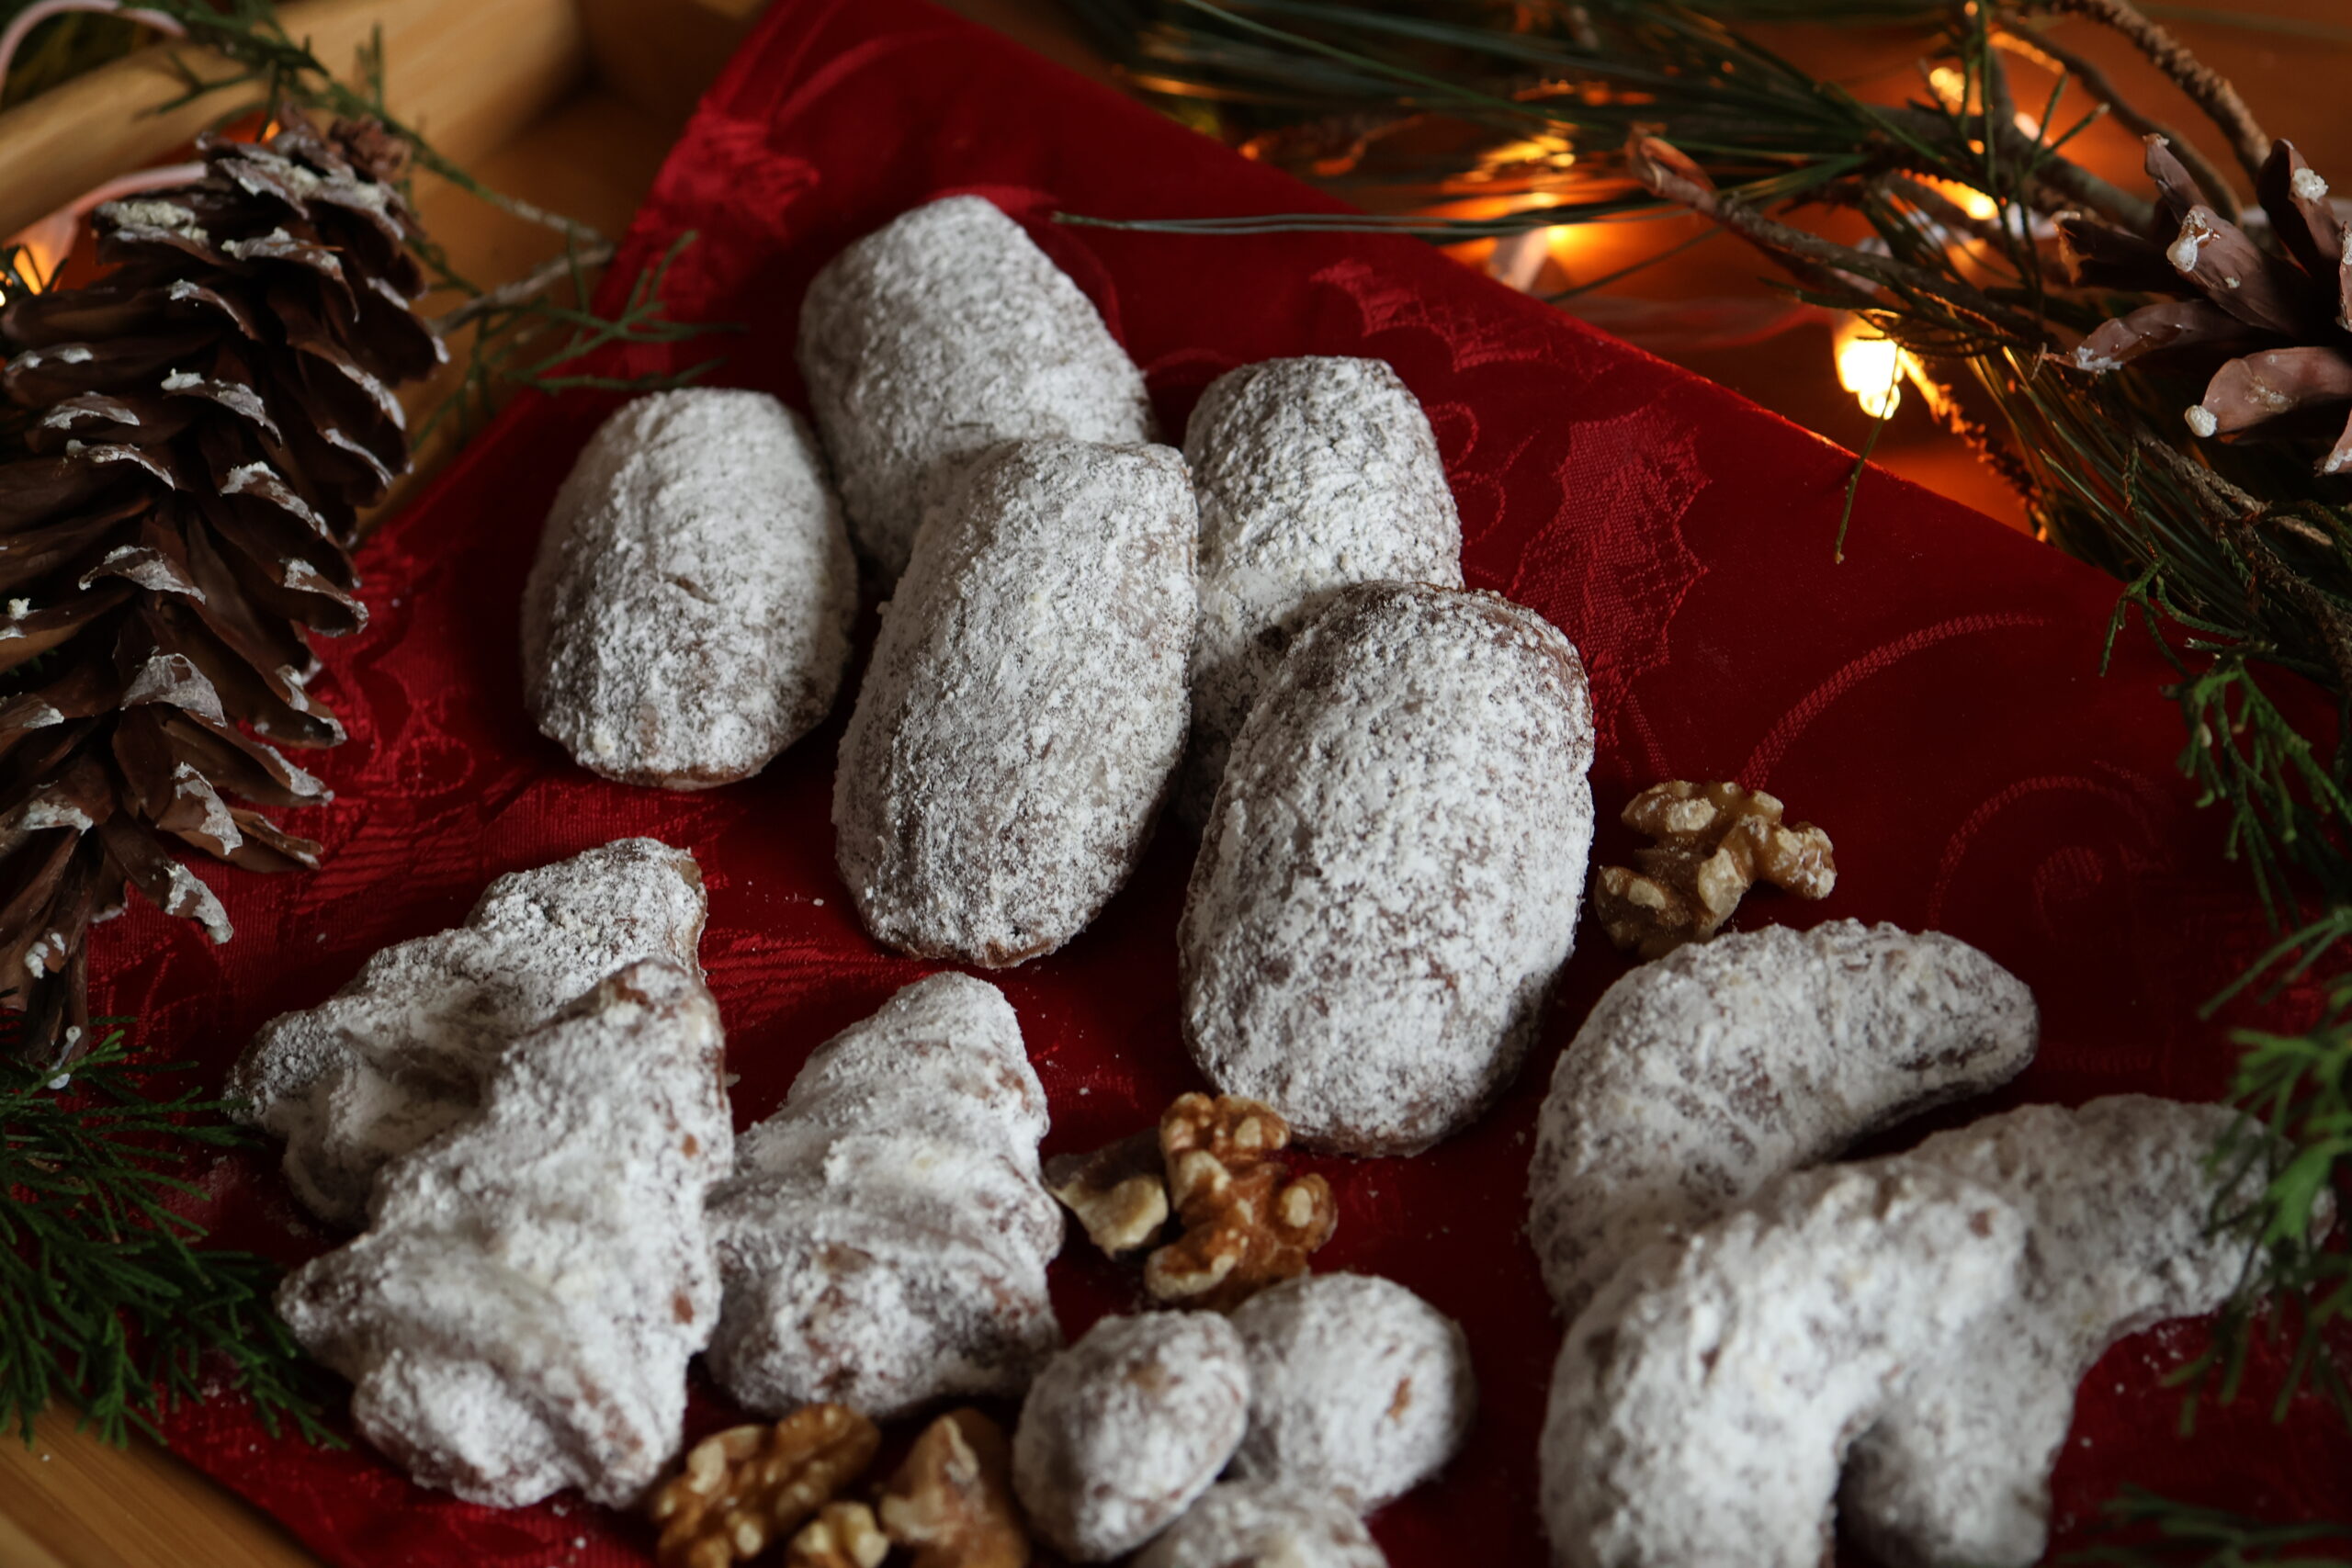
(208,419)
(2277,320)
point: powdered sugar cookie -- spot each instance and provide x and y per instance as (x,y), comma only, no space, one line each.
(688,615)
(1392,873)
(885,1235)
(1026,707)
(1698,1077)
(1357,1387)
(519,1317)
(1313,474)
(938,335)
(2118,1200)
(1264,1524)
(400,1054)
(1701,1405)
(1126,1427)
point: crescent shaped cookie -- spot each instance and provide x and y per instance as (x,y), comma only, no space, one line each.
(1025,709)
(1698,1077)
(940,335)
(1313,474)
(1392,872)
(885,1235)
(1700,1406)
(688,615)
(2118,1199)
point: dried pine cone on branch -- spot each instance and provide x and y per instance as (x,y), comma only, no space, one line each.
(2274,324)
(204,424)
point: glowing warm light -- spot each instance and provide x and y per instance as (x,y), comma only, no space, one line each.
(1869,366)
(1950,85)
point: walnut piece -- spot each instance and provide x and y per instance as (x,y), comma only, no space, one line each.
(1714,841)
(748,1487)
(1116,1192)
(842,1535)
(1247,1223)
(951,1503)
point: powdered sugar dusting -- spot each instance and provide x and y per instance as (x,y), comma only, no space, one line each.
(1260,1524)
(1312,474)
(519,1315)
(1358,1387)
(1699,1076)
(1126,1428)
(885,1235)
(1025,706)
(398,1055)
(2117,1196)
(1700,1406)
(1393,867)
(939,336)
(688,614)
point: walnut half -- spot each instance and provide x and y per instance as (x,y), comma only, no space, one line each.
(742,1490)
(1247,1223)
(950,1502)
(1713,841)
(1116,1192)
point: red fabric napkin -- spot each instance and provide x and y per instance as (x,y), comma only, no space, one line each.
(1934,701)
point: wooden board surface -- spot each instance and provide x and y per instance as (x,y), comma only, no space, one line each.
(571,103)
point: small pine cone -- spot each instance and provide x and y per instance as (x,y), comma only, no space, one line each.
(2269,323)
(206,422)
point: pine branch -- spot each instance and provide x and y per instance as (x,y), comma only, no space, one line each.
(2207,88)
(2182,1535)
(108,1299)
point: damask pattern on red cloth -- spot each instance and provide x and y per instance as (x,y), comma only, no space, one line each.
(1934,701)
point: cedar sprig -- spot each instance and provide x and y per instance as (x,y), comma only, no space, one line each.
(110,1298)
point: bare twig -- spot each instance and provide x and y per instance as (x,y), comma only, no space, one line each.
(2099,86)
(523,290)
(1822,264)
(2206,87)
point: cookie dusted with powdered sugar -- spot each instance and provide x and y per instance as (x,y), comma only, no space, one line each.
(885,1235)
(1262,1523)
(1701,1405)
(1312,474)
(1698,1077)
(519,1317)
(1357,1387)
(1026,706)
(688,615)
(2118,1199)
(938,335)
(1126,1427)
(1391,875)
(400,1054)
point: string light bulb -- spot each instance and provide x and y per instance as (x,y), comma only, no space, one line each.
(1869,364)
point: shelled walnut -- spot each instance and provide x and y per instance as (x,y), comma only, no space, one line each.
(842,1535)
(1713,843)
(951,1503)
(748,1487)
(1247,1223)
(1116,1192)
